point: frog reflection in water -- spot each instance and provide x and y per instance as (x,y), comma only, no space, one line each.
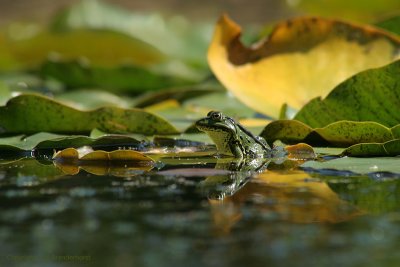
(231,138)
(251,154)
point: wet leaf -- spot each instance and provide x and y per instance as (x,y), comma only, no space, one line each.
(93,46)
(357,165)
(300,152)
(387,149)
(74,155)
(341,133)
(391,24)
(33,113)
(345,133)
(372,95)
(288,131)
(48,141)
(123,163)
(122,79)
(302,58)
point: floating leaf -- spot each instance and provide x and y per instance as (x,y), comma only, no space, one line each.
(33,113)
(128,79)
(341,133)
(372,95)
(302,58)
(73,155)
(387,149)
(288,131)
(300,152)
(118,163)
(357,165)
(43,141)
(91,45)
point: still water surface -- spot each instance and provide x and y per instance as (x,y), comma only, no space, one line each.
(191,213)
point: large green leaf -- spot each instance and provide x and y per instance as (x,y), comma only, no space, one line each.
(34,113)
(372,95)
(93,46)
(391,24)
(128,79)
(341,133)
(390,148)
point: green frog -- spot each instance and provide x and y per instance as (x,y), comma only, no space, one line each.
(231,138)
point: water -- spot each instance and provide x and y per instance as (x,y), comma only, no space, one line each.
(187,213)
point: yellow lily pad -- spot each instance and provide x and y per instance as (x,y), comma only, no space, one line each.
(74,155)
(303,58)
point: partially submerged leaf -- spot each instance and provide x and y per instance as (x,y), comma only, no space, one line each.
(345,133)
(372,95)
(300,152)
(341,133)
(302,58)
(48,141)
(34,113)
(124,163)
(387,149)
(288,131)
(118,156)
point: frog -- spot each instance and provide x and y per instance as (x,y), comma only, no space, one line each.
(231,138)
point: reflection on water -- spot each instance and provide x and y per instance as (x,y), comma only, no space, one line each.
(195,212)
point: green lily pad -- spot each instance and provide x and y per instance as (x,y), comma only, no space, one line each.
(340,134)
(93,46)
(345,133)
(357,165)
(391,24)
(30,114)
(387,149)
(288,131)
(372,95)
(128,79)
(41,141)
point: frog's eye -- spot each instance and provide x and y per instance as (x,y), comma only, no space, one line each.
(215,115)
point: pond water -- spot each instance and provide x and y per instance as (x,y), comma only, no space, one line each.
(192,212)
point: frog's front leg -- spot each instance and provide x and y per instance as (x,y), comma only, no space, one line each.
(236,149)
